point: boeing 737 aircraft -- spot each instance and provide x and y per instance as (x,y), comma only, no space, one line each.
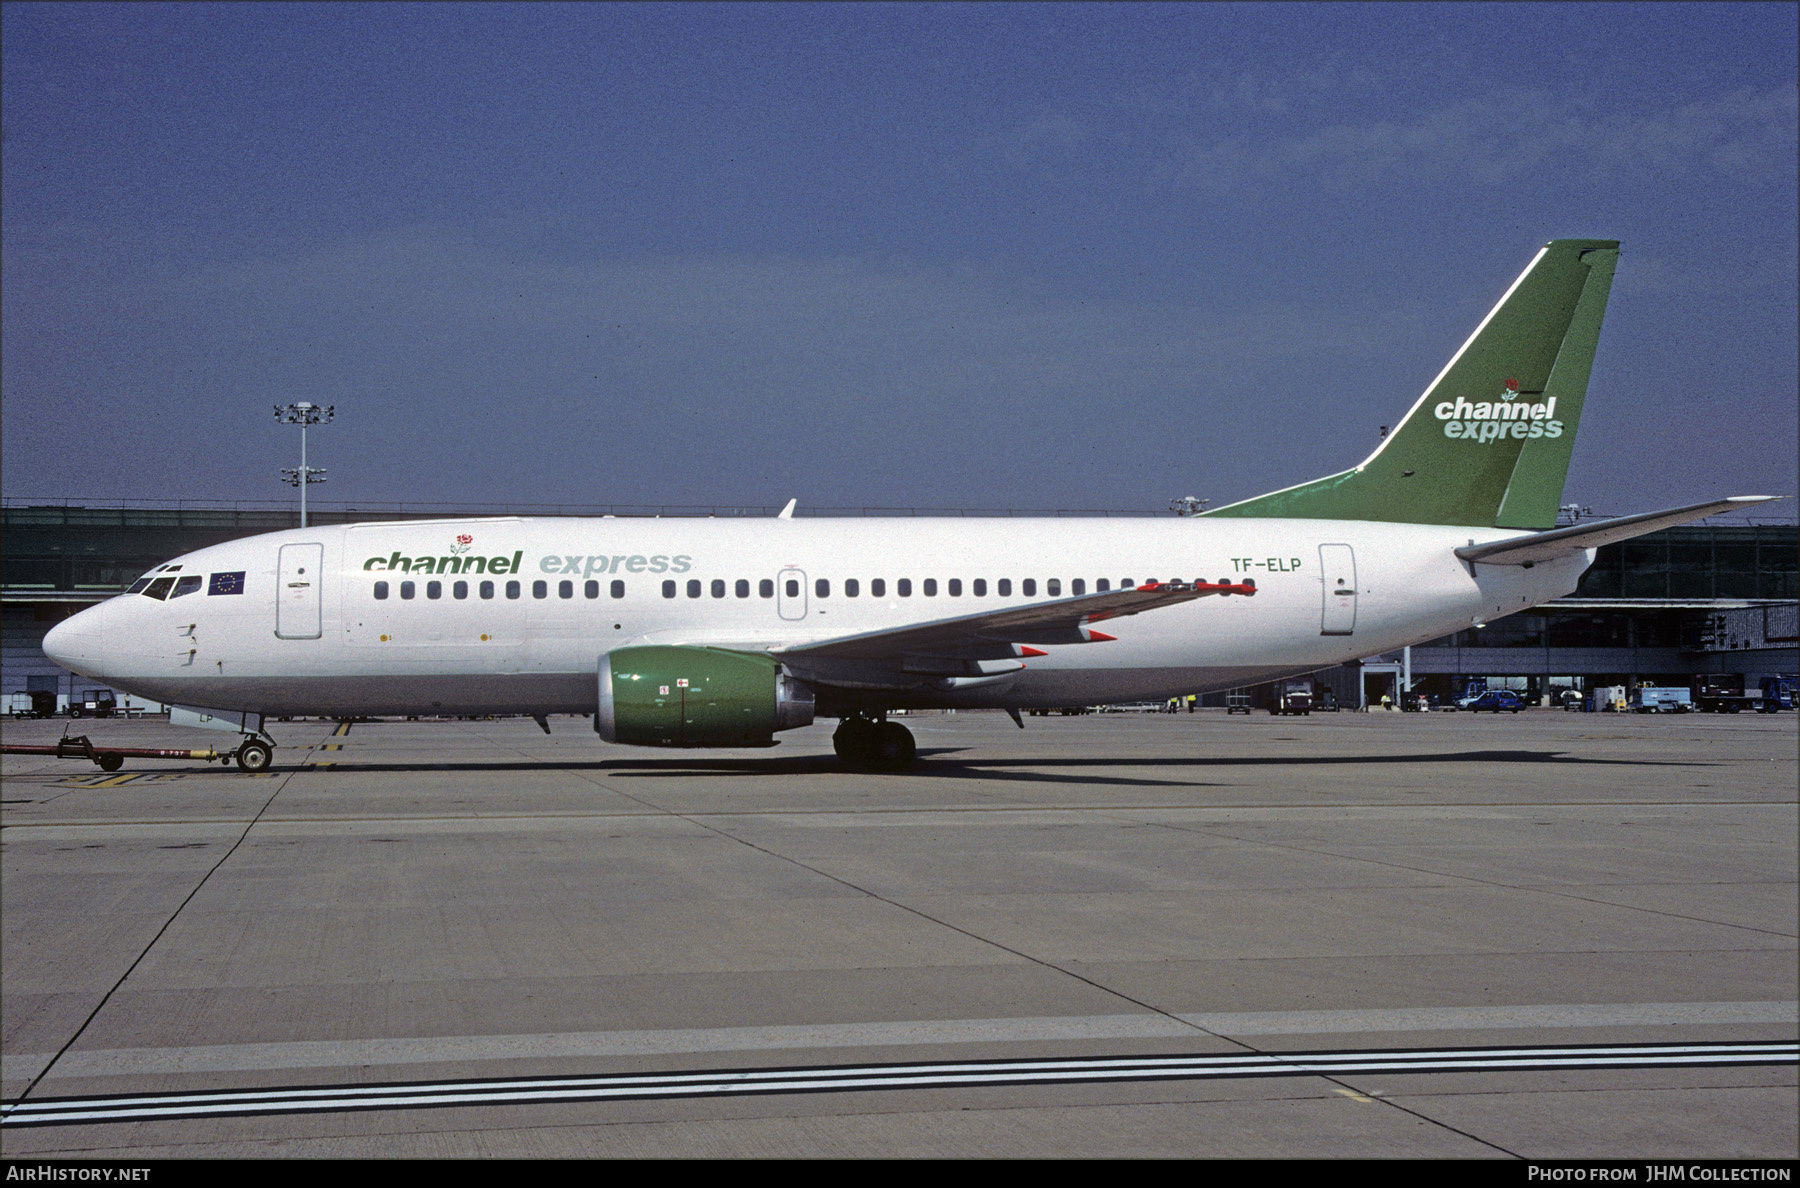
(709,632)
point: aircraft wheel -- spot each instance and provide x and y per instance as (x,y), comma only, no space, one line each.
(854,742)
(894,748)
(255,756)
(110,762)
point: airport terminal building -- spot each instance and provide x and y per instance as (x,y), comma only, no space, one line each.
(1713,597)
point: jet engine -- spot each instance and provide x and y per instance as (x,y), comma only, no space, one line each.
(665,696)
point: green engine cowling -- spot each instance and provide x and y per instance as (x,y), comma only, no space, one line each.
(697,697)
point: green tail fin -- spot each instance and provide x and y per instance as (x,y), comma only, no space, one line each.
(1488,444)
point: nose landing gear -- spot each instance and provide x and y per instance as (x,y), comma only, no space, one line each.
(254,755)
(866,745)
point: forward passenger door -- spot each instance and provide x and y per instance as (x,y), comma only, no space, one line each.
(298,582)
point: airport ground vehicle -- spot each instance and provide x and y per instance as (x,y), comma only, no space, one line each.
(1723,693)
(1496,700)
(1237,701)
(94,703)
(1779,693)
(1651,699)
(39,703)
(1293,696)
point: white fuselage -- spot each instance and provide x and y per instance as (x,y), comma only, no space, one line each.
(302,631)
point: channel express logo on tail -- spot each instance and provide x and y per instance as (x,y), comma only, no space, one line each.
(1496,420)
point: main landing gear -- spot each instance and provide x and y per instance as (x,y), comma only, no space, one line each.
(866,745)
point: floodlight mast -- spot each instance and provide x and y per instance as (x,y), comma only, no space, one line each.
(303,414)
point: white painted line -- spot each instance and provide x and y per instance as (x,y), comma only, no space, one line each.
(301,1054)
(865,1078)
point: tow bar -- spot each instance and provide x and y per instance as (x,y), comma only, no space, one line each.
(252,755)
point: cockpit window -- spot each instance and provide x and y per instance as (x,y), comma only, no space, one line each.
(138,586)
(187,585)
(159,589)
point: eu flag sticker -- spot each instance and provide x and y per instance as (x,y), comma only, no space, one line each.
(226,583)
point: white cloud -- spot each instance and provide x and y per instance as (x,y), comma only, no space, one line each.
(1509,136)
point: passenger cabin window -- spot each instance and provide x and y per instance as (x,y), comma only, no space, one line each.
(742,588)
(186,585)
(1078,586)
(851,588)
(980,587)
(1004,587)
(1028,587)
(931,587)
(1102,586)
(903,587)
(955,587)
(434,589)
(718,587)
(822,587)
(765,588)
(618,589)
(590,589)
(407,589)
(381,591)
(693,587)
(1053,587)
(565,589)
(487,589)
(512,589)
(877,587)
(459,589)
(540,589)
(793,588)
(668,589)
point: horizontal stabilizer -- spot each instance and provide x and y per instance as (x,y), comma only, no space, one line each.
(1560,542)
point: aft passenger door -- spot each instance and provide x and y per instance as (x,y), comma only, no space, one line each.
(299,580)
(1337,567)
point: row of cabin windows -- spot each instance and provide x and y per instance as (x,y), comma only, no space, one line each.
(903,587)
(539,589)
(878,588)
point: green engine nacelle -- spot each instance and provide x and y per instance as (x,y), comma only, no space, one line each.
(697,697)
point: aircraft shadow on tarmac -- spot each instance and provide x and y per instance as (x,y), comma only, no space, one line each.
(945,763)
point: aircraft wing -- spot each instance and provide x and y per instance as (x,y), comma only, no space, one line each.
(986,645)
(1559,542)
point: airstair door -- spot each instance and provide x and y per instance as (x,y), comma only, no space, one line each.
(299,580)
(1337,566)
(790,594)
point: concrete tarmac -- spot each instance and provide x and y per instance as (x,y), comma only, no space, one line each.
(430,902)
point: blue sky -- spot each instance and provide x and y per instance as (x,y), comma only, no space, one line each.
(996,256)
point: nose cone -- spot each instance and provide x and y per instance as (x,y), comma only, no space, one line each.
(76,643)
